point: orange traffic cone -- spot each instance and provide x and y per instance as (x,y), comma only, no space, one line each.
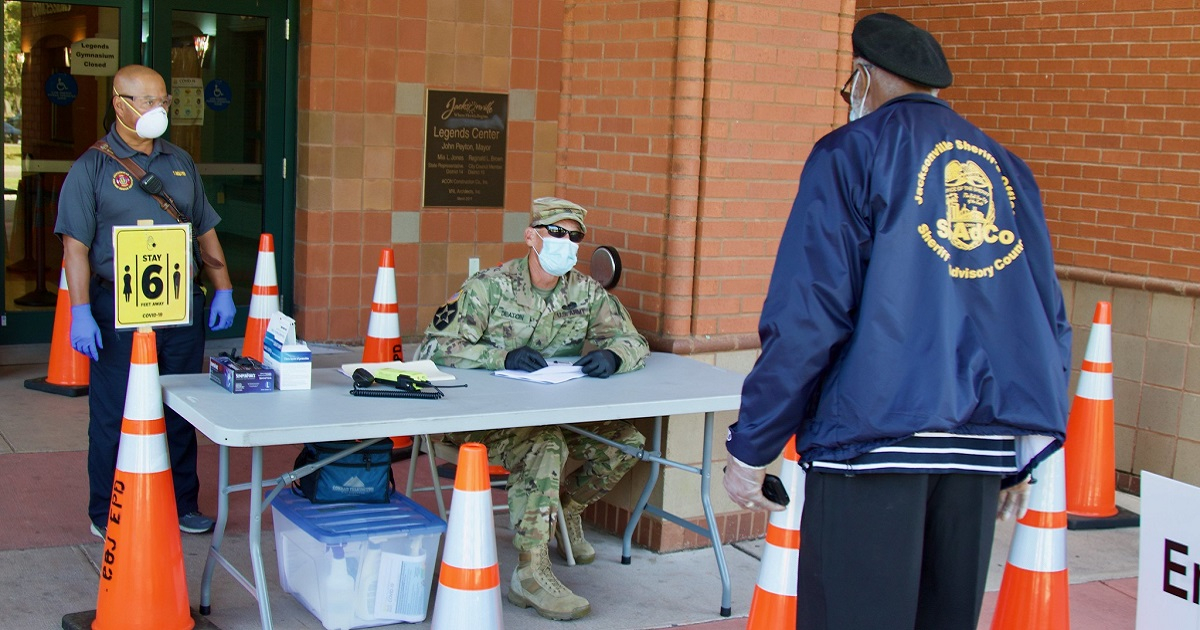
(1034,593)
(142,583)
(1089,450)
(773,606)
(383,328)
(264,298)
(468,594)
(1090,454)
(67,374)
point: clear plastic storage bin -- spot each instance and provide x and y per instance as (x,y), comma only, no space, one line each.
(357,565)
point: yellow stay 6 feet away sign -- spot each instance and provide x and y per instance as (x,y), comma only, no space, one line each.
(152,275)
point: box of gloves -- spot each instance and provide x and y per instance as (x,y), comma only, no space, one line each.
(291,359)
(241,375)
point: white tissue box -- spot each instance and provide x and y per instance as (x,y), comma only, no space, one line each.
(291,359)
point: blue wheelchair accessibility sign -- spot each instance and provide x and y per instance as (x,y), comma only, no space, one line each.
(218,95)
(61,88)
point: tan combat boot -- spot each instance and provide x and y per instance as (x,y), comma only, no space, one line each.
(533,584)
(580,548)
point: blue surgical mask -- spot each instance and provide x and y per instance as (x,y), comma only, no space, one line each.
(558,255)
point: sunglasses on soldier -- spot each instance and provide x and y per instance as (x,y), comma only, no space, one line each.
(561,232)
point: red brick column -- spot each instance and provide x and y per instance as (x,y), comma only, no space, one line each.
(685,126)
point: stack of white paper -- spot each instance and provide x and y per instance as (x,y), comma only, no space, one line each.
(551,374)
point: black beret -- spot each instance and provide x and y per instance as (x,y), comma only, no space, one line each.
(902,48)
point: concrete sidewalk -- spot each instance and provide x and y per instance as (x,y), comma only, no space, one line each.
(49,560)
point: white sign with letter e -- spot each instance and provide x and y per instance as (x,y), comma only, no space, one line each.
(152,274)
(1169,560)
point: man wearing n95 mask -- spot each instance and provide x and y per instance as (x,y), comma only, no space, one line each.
(98,194)
(514,316)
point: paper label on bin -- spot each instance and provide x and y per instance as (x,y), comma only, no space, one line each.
(401,593)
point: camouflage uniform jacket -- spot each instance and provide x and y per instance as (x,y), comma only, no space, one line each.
(497,310)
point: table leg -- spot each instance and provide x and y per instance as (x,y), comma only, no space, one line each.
(218,535)
(714,533)
(256,559)
(655,467)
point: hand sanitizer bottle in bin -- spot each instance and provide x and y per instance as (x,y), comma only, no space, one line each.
(338,593)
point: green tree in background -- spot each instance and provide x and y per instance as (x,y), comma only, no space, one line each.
(12,61)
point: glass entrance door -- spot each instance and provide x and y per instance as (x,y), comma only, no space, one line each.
(224,63)
(59,59)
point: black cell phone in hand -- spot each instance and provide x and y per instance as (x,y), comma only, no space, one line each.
(774,491)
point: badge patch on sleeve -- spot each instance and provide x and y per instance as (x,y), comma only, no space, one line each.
(446,314)
(122,180)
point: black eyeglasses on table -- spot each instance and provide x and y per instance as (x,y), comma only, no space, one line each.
(561,232)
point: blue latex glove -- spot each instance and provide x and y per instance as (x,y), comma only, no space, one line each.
(600,363)
(85,334)
(222,310)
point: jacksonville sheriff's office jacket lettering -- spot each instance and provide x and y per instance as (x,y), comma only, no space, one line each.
(914,290)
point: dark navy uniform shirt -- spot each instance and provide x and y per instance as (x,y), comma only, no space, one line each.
(99,194)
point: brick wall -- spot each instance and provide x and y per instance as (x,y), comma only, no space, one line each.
(364,69)
(685,126)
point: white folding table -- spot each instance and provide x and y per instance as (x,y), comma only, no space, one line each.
(668,385)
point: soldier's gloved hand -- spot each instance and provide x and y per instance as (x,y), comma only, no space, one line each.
(600,363)
(221,312)
(525,359)
(744,483)
(85,334)
(1013,501)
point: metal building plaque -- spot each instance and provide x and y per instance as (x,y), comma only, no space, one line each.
(465,143)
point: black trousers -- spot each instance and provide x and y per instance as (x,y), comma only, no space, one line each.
(894,552)
(180,351)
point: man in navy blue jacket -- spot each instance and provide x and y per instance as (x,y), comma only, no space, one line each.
(914,340)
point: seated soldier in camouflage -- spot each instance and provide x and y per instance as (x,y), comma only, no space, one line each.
(513,317)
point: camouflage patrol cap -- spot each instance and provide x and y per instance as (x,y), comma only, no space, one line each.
(551,210)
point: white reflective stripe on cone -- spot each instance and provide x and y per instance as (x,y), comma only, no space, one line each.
(1038,549)
(1095,385)
(792,476)
(1048,493)
(143,453)
(777,573)
(264,270)
(264,306)
(472,519)
(1099,347)
(385,286)
(383,325)
(143,395)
